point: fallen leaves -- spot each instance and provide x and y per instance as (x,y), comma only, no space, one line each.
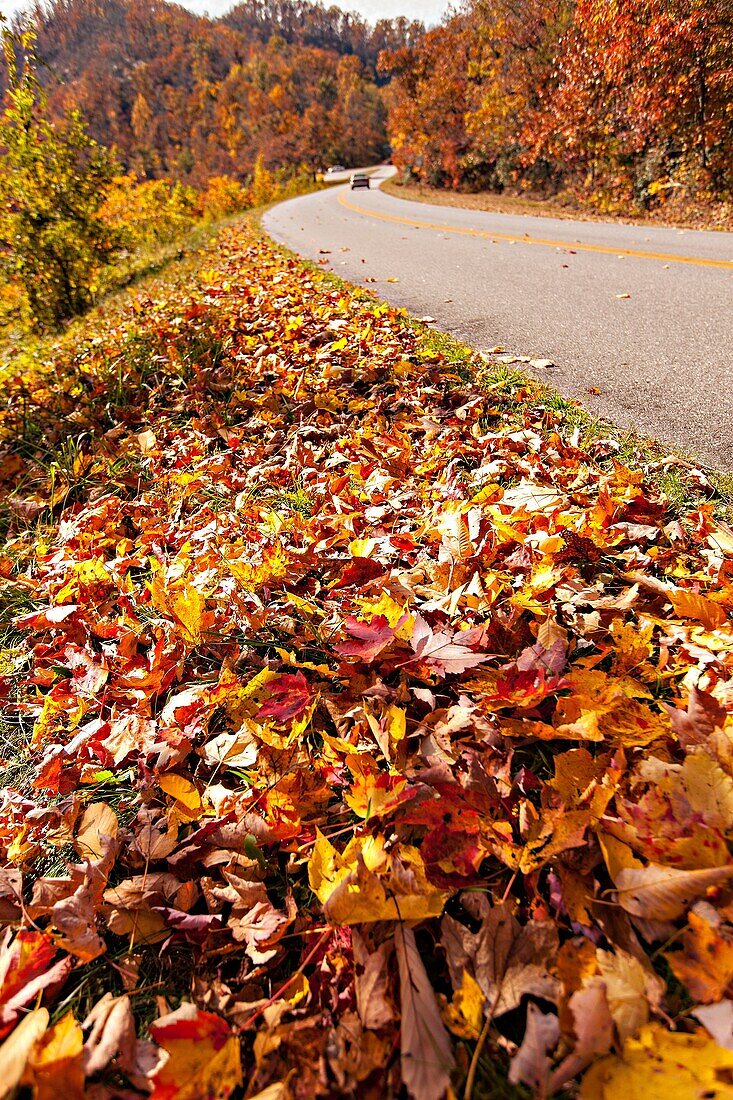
(357,717)
(202,1056)
(369,883)
(29,964)
(426,1055)
(659,893)
(658,1065)
(705,962)
(506,959)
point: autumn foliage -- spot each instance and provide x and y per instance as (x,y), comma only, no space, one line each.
(53,180)
(188,98)
(71,226)
(362,731)
(623,104)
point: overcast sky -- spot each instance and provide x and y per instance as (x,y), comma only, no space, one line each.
(428,10)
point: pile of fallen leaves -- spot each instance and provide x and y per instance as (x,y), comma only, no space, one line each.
(362,738)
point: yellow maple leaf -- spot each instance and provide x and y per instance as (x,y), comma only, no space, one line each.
(204,1056)
(465,1015)
(372,791)
(274,566)
(58,712)
(367,883)
(181,602)
(392,611)
(692,605)
(245,700)
(188,805)
(17,1048)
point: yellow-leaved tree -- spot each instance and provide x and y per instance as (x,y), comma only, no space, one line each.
(53,182)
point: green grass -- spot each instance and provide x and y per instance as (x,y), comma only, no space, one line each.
(21,349)
(490,1082)
(169,974)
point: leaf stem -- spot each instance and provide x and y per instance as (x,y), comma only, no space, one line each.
(296,973)
(473,1068)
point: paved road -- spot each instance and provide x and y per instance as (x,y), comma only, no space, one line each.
(644,315)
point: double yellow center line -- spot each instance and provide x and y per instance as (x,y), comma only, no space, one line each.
(638,254)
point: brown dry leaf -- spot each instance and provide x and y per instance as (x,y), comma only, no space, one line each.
(372,983)
(261,927)
(592,1029)
(426,1055)
(531,1064)
(577,894)
(98,827)
(11,893)
(112,1037)
(658,893)
(506,959)
(75,923)
(278,1091)
(157,835)
(704,714)
(632,989)
(353,1053)
(709,790)
(718,1020)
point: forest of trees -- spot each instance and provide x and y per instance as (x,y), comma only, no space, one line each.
(187,97)
(311,24)
(624,103)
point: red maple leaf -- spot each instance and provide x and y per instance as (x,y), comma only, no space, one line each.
(370,638)
(289,697)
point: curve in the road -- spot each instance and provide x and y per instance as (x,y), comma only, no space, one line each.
(637,319)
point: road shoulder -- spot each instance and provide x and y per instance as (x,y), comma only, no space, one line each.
(564,210)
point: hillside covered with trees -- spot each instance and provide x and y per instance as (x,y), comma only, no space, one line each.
(623,103)
(623,106)
(184,96)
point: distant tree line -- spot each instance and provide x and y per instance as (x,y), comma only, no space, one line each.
(329,28)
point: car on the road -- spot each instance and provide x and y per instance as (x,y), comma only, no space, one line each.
(334,169)
(359,179)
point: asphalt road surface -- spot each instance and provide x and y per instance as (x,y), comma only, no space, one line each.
(637,320)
